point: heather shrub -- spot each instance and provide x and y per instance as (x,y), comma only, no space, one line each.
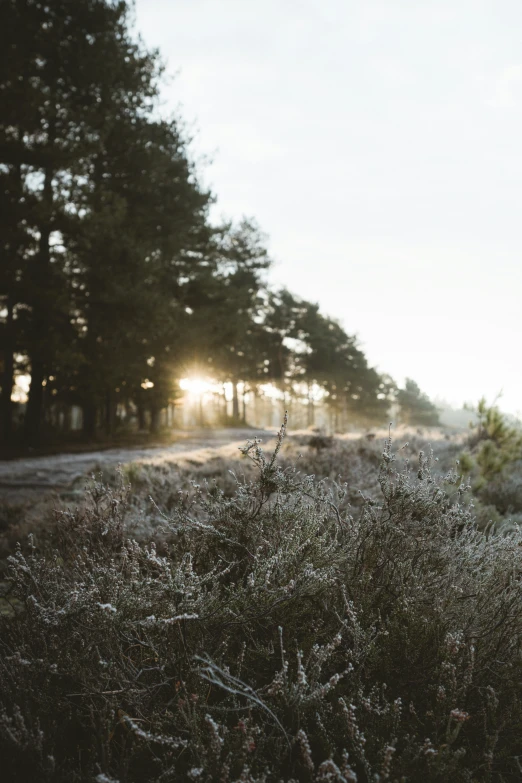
(273,634)
(353,461)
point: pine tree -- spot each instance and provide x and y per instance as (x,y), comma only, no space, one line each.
(77,66)
(145,214)
(228,308)
(354,391)
(415,406)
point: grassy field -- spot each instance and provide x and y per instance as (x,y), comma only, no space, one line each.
(330,609)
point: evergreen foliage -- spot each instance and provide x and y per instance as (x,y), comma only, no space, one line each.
(113,281)
(415,406)
(492,461)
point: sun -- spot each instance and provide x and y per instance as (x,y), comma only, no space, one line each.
(196,386)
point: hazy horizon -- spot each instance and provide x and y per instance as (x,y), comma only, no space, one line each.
(377,144)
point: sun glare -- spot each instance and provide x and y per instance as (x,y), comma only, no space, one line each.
(195,387)
(271,391)
(21,388)
(317,393)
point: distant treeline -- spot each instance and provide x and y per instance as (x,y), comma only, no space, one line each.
(114,284)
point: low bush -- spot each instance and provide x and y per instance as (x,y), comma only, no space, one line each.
(493,461)
(274,634)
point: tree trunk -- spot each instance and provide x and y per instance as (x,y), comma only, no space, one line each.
(89,420)
(41,302)
(225,404)
(6,405)
(154,419)
(33,411)
(110,412)
(67,418)
(141,416)
(235,402)
(311,409)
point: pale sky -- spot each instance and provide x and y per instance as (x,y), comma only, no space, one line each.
(379,145)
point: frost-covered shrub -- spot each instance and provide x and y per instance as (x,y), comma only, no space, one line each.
(272,635)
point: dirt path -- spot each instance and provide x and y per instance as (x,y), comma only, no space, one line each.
(59,471)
